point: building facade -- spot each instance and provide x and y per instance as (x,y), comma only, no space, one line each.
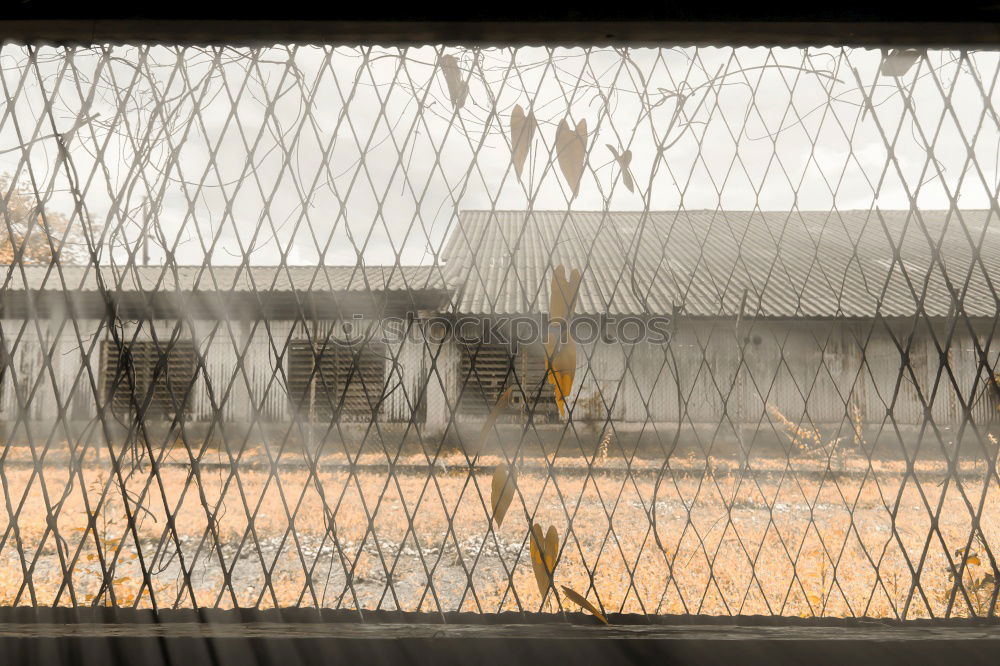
(763,320)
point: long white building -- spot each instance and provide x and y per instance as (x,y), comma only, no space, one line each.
(886,318)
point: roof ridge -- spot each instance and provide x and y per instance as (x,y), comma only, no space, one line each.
(799,263)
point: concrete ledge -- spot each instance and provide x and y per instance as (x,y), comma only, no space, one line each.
(288,637)
(874,633)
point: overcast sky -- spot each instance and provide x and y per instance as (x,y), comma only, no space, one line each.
(361,155)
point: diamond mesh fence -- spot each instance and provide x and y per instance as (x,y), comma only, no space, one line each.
(661,331)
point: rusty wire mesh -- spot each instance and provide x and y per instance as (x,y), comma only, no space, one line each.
(235,280)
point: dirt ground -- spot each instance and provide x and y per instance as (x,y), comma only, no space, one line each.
(791,536)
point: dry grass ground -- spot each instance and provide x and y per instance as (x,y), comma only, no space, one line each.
(790,538)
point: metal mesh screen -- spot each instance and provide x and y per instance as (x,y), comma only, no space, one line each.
(661,330)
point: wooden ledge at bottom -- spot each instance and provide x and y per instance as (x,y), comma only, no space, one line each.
(875,632)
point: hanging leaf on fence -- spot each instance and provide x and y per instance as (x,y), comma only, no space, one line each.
(504,480)
(624,160)
(899,61)
(582,602)
(571,151)
(501,404)
(458,89)
(562,297)
(502,491)
(560,356)
(522,133)
(543,556)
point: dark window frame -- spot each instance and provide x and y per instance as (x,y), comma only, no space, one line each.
(143,360)
(485,372)
(347,385)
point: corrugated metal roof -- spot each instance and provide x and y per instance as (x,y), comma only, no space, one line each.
(301,279)
(789,264)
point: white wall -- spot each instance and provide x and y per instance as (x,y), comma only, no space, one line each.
(812,372)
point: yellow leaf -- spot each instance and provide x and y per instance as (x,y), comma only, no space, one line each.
(581,601)
(571,151)
(543,556)
(973,559)
(522,131)
(560,357)
(561,380)
(551,547)
(502,493)
(123,579)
